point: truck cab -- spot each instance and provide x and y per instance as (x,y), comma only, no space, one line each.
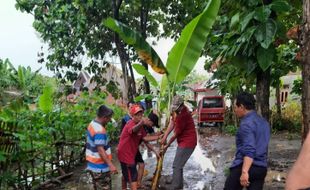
(211,111)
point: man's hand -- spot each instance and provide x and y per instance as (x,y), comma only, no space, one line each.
(244,179)
(163,140)
(164,148)
(113,169)
(143,121)
(157,154)
(160,136)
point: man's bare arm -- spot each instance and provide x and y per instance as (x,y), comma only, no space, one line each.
(298,177)
(106,159)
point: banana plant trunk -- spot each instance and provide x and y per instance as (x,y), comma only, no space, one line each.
(158,170)
(159,165)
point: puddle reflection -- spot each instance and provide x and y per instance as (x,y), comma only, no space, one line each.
(204,162)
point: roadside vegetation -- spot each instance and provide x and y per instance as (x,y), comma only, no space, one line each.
(248,45)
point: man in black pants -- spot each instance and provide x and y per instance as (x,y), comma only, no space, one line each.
(249,168)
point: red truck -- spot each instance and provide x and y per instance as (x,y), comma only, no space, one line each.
(211,111)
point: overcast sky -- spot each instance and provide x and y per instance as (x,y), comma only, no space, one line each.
(20,43)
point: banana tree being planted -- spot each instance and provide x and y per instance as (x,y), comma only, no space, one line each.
(181,60)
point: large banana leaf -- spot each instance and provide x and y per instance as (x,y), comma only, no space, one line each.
(163,86)
(163,102)
(185,53)
(131,37)
(142,71)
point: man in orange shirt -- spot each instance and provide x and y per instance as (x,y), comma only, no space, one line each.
(98,151)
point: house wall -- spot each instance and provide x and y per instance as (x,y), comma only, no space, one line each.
(285,91)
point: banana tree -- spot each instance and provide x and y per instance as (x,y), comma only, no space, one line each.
(181,60)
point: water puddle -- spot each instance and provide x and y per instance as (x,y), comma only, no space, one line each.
(197,172)
(204,162)
(275,176)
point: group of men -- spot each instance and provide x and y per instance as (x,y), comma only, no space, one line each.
(248,169)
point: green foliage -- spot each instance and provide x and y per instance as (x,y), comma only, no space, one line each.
(74,29)
(163,94)
(2,156)
(20,82)
(184,88)
(265,57)
(46,99)
(113,132)
(5,80)
(23,77)
(42,135)
(290,120)
(246,38)
(142,71)
(5,71)
(143,97)
(230,129)
(297,86)
(175,21)
(113,88)
(10,111)
(131,37)
(185,53)
(285,62)
(71,30)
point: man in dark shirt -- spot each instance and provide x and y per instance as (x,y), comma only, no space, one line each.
(249,168)
(126,118)
(185,133)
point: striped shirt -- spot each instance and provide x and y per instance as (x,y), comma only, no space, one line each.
(97,136)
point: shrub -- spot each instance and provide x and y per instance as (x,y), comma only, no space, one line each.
(291,118)
(230,129)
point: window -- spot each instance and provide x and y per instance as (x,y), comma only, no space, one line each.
(212,103)
(283,96)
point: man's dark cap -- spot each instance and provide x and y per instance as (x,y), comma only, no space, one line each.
(154,118)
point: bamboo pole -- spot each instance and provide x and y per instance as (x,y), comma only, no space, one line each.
(159,166)
(160,160)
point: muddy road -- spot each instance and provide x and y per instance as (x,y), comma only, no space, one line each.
(208,166)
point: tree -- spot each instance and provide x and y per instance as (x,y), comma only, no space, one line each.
(178,14)
(77,39)
(124,57)
(305,50)
(245,36)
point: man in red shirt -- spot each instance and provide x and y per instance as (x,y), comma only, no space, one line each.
(185,133)
(131,137)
